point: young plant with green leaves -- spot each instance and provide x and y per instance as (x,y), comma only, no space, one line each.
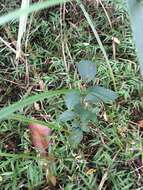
(83,105)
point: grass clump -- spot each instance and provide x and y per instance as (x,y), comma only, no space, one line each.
(110,154)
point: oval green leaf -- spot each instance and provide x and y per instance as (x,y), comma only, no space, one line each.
(103,94)
(72,99)
(75,137)
(87,70)
(67,116)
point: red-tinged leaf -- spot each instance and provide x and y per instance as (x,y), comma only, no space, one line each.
(40,134)
(140,124)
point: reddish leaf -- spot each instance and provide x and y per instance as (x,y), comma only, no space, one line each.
(40,134)
(140,124)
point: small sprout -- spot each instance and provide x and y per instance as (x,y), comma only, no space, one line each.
(83,107)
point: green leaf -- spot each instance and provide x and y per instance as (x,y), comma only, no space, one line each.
(78,109)
(82,112)
(5,112)
(135,8)
(84,126)
(75,137)
(24,11)
(19,156)
(92,99)
(72,99)
(75,125)
(87,70)
(67,116)
(103,94)
(85,117)
(93,117)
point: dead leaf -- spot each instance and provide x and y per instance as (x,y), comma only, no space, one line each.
(140,124)
(116,40)
(105,116)
(91,171)
(36,106)
(50,178)
(41,85)
(40,136)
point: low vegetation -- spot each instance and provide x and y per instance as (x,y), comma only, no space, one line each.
(95,113)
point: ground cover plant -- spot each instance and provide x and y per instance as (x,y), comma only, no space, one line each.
(100,146)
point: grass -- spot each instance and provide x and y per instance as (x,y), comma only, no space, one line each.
(110,156)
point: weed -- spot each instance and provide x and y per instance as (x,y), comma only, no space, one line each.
(83,106)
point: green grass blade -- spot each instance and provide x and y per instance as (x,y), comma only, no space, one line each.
(25,11)
(135,8)
(7,111)
(19,156)
(26,120)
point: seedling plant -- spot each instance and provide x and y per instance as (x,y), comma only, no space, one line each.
(83,105)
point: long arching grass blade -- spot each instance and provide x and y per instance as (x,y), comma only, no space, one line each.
(7,111)
(135,8)
(27,120)
(34,7)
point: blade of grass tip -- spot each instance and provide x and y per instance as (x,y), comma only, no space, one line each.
(24,11)
(22,28)
(89,20)
(7,111)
